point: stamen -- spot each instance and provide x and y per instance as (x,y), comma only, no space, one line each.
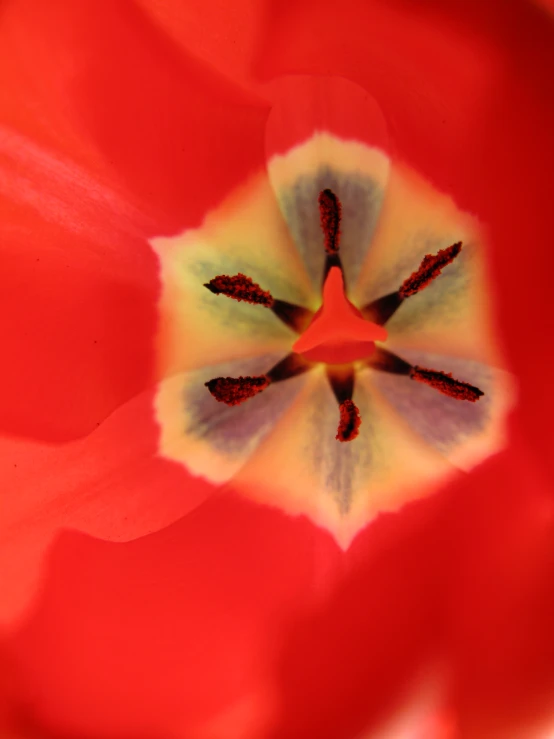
(430,268)
(350,421)
(240,287)
(235,390)
(330,214)
(386,361)
(446,384)
(379,311)
(342,384)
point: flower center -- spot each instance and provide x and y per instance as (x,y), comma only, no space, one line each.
(338,334)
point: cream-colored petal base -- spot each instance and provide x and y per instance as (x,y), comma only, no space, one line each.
(304,470)
(245,234)
(355,172)
(211,439)
(465,433)
(452,315)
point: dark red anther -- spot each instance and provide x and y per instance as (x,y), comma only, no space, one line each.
(429,269)
(235,390)
(240,287)
(330,215)
(350,421)
(446,384)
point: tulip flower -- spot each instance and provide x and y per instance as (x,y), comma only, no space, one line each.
(177,563)
(363,337)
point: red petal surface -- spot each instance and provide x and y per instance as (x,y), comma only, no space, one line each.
(111,484)
(77,305)
(500,639)
(461,582)
(173,632)
(164,633)
(303,105)
(127,137)
(178,135)
(224,35)
(182,626)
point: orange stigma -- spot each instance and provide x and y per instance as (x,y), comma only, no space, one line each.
(338,333)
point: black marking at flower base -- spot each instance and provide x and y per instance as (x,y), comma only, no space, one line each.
(380,310)
(333,260)
(291,366)
(294,316)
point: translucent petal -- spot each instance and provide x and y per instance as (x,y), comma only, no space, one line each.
(245,234)
(452,314)
(303,469)
(466,433)
(112,484)
(212,439)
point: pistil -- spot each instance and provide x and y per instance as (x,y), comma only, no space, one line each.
(338,323)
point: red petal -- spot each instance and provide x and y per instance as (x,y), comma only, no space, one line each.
(111,484)
(77,307)
(172,633)
(351,662)
(547,4)
(168,141)
(500,632)
(305,105)
(461,582)
(178,135)
(224,35)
